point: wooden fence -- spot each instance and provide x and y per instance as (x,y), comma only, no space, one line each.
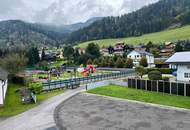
(176,88)
(73,83)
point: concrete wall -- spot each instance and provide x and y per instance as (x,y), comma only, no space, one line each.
(3,90)
(181,70)
(106,83)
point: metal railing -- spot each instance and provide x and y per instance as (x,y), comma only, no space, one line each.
(73,83)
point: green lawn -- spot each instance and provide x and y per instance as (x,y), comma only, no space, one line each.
(144,96)
(158,37)
(13,105)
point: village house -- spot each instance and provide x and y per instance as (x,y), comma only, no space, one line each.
(136,56)
(168,51)
(180,61)
(3,85)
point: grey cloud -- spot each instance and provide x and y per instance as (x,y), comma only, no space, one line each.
(66,11)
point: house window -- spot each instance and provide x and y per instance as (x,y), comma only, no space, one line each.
(187,75)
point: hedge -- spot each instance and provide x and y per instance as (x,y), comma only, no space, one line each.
(162,70)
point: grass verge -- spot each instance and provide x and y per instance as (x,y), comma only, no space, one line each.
(13,105)
(144,96)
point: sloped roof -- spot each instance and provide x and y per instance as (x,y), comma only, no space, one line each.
(144,52)
(3,74)
(180,57)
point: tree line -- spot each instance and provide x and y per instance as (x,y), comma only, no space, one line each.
(153,18)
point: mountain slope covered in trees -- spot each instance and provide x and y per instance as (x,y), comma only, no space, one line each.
(169,35)
(153,18)
(20,33)
(17,33)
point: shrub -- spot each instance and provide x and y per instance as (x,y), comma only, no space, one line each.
(155,75)
(141,71)
(162,70)
(36,87)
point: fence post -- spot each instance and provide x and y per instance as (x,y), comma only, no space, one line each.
(185,85)
(170,88)
(157,86)
(136,84)
(177,88)
(146,85)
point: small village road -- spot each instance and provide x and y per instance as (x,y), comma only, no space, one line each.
(92,112)
(40,117)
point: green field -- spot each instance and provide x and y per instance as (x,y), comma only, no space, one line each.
(13,105)
(144,96)
(158,37)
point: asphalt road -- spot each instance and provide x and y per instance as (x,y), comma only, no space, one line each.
(40,117)
(91,112)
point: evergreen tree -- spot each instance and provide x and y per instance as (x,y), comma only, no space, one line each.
(129,63)
(143,62)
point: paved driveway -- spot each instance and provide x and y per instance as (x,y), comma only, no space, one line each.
(40,117)
(90,112)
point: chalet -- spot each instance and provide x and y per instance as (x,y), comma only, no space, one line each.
(181,62)
(136,56)
(140,48)
(105,52)
(168,51)
(118,48)
(3,85)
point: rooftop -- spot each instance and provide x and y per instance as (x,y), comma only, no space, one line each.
(144,52)
(3,74)
(180,57)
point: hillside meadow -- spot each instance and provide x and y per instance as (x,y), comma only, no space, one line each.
(170,35)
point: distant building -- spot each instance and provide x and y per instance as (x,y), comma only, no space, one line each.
(168,51)
(3,85)
(136,56)
(181,62)
(82,51)
(119,48)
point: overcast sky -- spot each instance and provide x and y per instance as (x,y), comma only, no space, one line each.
(66,11)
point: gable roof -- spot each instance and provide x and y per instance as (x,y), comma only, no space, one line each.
(3,74)
(180,57)
(143,52)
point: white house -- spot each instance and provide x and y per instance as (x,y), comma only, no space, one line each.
(3,85)
(136,56)
(181,62)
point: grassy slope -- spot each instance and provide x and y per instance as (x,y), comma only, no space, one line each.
(13,105)
(158,37)
(144,96)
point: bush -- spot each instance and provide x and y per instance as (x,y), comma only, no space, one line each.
(141,71)
(155,75)
(36,87)
(162,70)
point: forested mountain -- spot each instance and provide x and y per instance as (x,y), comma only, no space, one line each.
(153,18)
(20,33)
(16,33)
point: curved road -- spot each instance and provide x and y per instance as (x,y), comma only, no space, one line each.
(40,117)
(91,112)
